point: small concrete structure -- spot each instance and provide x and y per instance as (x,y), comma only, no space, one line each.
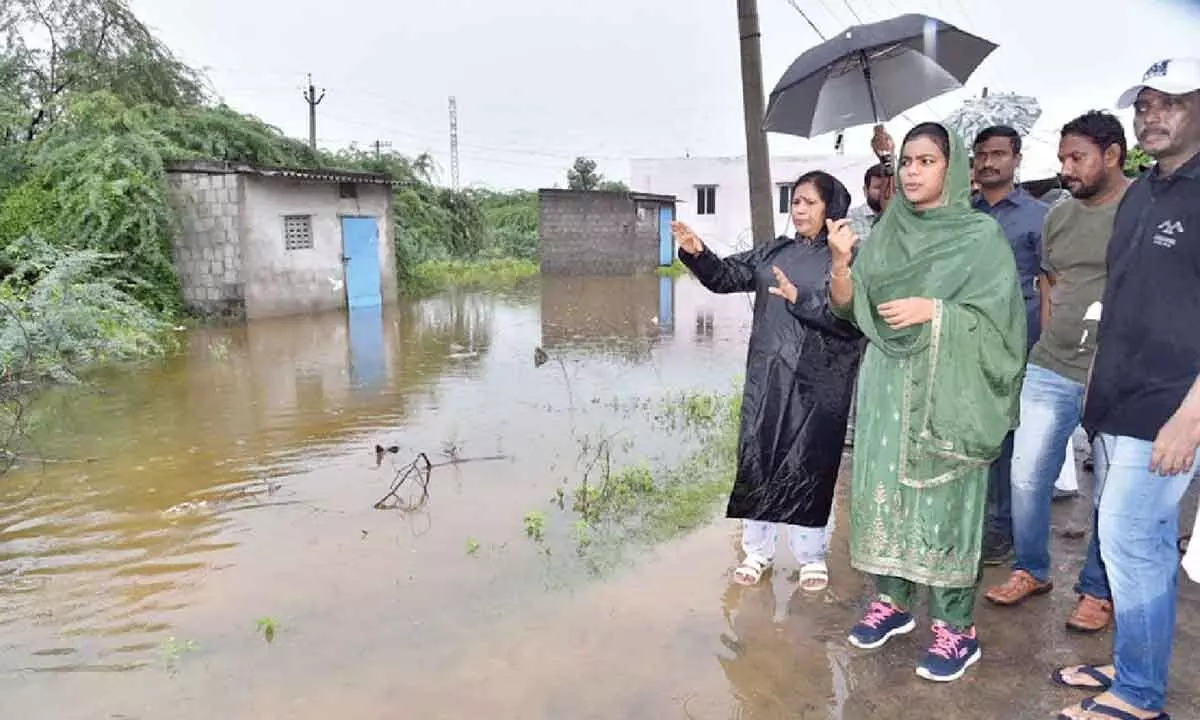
(604,233)
(264,242)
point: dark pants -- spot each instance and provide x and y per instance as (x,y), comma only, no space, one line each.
(999,505)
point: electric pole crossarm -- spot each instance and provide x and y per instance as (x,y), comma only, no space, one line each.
(313,100)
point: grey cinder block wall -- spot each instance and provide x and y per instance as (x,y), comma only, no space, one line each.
(231,253)
(208,251)
(599,233)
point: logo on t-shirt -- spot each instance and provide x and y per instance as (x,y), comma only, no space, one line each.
(1167,230)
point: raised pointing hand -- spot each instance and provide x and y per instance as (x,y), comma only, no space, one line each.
(687,239)
(841,239)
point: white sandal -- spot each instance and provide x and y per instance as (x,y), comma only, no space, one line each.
(750,571)
(814,576)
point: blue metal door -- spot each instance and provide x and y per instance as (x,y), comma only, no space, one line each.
(666,241)
(360,248)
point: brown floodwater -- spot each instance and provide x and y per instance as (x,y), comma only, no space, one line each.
(190,504)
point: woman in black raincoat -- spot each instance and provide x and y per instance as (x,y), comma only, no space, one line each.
(800,370)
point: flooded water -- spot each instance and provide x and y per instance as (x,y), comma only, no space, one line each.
(195,507)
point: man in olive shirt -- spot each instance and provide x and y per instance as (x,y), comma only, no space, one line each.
(1075,241)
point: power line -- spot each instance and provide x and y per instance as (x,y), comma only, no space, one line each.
(851,9)
(807,19)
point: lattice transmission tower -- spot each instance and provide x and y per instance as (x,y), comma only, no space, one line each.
(453,142)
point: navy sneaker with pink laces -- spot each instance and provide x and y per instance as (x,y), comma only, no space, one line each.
(880,623)
(951,653)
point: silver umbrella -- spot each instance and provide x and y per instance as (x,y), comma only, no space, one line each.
(1020,112)
(872,73)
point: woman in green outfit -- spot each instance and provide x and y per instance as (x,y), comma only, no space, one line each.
(936,293)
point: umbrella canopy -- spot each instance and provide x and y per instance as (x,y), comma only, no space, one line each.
(872,73)
(1020,112)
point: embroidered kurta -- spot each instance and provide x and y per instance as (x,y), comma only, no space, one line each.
(935,401)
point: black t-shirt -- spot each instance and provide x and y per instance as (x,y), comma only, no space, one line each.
(1149,335)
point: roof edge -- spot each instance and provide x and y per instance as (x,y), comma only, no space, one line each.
(631,194)
(331,175)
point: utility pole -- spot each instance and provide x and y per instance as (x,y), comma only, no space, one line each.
(380,146)
(758,161)
(310,97)
(453,142)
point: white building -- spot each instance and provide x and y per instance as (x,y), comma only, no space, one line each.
(714,192)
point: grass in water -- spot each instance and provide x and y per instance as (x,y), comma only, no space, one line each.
(674,270)
(498,274)
(648,502)
(268,627)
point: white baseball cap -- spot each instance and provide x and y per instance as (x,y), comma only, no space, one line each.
(1175,76)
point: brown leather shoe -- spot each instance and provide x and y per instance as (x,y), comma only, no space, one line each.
(1020,586)
(1091,615)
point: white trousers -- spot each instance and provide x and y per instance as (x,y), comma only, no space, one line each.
(1067,480)
(807,544)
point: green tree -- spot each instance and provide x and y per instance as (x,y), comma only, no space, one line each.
(583,176)
(53,48)
(61,314)
(1136,161)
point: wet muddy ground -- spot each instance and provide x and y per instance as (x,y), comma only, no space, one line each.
(199,506)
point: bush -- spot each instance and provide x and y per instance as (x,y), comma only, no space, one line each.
(60,315)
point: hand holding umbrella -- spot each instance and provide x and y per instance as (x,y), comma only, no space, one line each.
(884,148)
(883,145)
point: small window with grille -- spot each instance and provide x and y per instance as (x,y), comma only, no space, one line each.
(348,190)
(297,232)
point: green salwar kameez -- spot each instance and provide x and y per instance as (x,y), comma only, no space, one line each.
(935,401)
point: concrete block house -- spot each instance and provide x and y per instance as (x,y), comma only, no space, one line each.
(266,242)
(604,233)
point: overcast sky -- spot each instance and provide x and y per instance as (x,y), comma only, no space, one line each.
(539,82)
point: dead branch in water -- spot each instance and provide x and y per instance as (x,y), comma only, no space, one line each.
(419,471)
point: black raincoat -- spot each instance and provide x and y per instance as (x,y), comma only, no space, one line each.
(800,371)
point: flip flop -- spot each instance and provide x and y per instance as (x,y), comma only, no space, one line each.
(1103,681)
(1090,705)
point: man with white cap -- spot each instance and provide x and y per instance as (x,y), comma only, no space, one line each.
(1143,404)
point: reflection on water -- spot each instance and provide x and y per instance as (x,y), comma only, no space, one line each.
(621,314)
(666,305)
(368,360)
(184,491)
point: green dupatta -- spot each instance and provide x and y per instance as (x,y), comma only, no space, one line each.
(963,370)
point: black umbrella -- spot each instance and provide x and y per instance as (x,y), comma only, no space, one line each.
(872,73)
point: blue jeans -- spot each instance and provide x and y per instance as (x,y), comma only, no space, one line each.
(1051,407)
(999,500)
(1139,532)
